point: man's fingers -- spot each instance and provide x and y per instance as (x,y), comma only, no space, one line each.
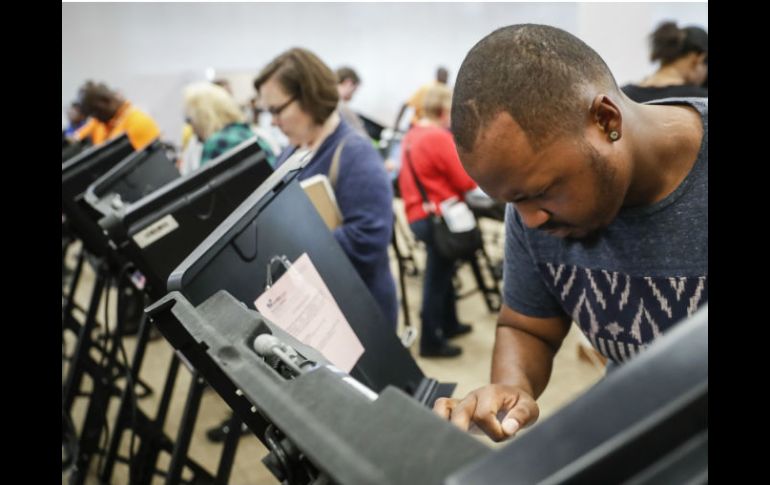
(510,426)
(497,410)
(463,412)
(443,407)
(487,414)
(521,415)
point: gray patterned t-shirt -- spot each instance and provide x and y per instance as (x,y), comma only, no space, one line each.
(648,270)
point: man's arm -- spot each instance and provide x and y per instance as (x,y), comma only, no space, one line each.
(525,348)
(521,366)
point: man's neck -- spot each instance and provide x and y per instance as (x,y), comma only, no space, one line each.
(665,144)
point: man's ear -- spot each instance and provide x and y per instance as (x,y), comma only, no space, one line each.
(606,114)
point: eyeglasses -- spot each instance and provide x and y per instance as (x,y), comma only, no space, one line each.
(279,109)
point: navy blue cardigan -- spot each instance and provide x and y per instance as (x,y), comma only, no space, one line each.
(365,197)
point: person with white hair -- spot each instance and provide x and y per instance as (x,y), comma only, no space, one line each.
(215,118)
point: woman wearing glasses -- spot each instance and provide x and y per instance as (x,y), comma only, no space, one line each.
(300,92)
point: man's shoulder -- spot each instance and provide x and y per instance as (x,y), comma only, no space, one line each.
(699,103)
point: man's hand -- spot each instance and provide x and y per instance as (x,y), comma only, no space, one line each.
(522,358)
(515,406)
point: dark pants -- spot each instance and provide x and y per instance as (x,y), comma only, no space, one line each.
(438,312)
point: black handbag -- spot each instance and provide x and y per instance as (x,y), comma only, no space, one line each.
(450,245)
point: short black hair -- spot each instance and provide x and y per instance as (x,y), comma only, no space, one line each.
(346,72)
(536,73)
(669,43)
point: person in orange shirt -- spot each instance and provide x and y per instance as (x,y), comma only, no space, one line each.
(111,115)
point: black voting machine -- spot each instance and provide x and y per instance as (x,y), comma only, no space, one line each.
(682,453)
(318,426)
(80,167)
(318,430)
(79,170)
(196,203)
(78,173)
(110,198)
(645,423)
(279,220)
(79,219)
(155,233)
(116,172)
(137,176)
(70,149)
(143,172)
(160,230)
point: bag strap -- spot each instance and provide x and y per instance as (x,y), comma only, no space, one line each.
(426,203)
(334,168)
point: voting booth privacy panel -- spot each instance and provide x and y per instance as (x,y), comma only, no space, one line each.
(278,220)
(159,230)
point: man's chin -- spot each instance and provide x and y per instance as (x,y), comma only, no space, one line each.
(575,233)
(585,236)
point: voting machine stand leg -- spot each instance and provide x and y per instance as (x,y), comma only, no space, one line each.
(152,439)
(229,448)
(411,268)
(124,417)
(186,427)
(68,305)
(83,346)
(80,363)
(490,292)
(402,277)
(149,431)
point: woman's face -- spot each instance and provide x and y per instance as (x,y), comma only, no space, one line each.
(288,116)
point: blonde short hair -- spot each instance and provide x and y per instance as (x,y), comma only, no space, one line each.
(209,108)
(437,100)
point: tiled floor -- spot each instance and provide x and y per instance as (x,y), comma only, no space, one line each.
(571,376)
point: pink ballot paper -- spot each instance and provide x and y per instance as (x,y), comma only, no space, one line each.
(301,304)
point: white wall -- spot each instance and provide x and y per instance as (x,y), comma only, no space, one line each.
(149,51)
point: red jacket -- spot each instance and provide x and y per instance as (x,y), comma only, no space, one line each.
(434,158)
